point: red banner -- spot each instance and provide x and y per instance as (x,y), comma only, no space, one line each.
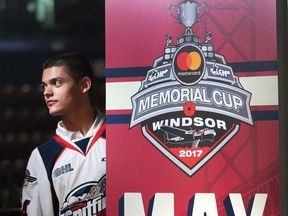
(192,108)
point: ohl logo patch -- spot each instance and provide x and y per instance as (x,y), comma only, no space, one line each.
(190,103)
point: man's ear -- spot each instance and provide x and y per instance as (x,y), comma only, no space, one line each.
(86,84)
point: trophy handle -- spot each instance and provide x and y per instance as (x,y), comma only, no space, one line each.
(176,9)
(199,9)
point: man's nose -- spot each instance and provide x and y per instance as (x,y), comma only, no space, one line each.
(47,91)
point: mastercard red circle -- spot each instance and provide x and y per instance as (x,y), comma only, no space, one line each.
(181,61)
(187,61)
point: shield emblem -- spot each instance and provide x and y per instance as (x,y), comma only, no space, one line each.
(190,103)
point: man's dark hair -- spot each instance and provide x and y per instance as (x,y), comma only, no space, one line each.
(76,66)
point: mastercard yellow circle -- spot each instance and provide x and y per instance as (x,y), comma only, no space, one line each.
(193,60)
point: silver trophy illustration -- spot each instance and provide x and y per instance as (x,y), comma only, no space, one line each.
(189,13)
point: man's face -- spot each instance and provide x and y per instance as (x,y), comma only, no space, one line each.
(61,92)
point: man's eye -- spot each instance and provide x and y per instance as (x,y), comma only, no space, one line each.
(58,82)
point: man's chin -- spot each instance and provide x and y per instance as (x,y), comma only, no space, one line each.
(54,113)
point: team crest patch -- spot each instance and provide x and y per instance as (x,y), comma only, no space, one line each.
(87,199)
(190,103)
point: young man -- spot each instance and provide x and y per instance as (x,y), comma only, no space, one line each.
(67,175)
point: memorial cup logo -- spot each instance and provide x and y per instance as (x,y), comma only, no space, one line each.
(190,103)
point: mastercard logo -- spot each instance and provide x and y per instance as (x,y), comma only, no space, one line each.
(191,60)
(188,64)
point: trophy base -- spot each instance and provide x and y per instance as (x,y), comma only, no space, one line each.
(188,39)
(169,53)
(208,50)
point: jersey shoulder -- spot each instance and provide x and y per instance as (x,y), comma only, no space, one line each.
(49,153)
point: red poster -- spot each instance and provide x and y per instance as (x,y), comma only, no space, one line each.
(192,106)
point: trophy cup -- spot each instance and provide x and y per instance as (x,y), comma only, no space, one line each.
(188,13)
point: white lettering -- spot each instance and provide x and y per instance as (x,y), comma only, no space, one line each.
(164,97)
(185,94)
(163,204)
(235,205)
(175,95)
(187,122)
(227,99)
(197,95)
(144,104)
(203,204)
(154,100)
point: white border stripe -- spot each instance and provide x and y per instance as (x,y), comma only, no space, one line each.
(264,89)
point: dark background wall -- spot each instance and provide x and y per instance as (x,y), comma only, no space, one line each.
(31,31)
(282,27)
